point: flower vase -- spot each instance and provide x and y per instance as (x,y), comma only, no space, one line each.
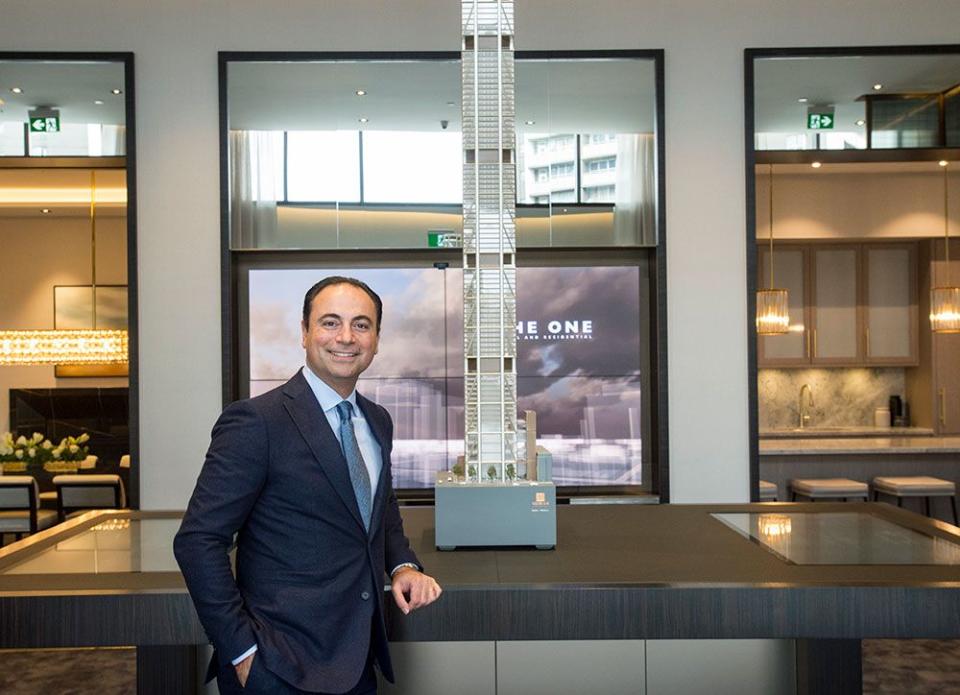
(60,466)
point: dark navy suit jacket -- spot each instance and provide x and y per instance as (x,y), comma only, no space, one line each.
(309,578)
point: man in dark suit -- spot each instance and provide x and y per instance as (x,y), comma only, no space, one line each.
(302,475)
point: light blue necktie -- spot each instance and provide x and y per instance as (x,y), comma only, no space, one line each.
(359,475)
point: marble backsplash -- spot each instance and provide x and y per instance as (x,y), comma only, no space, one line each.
(841,397)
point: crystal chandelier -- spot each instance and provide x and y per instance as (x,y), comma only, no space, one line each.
(69,347)
(63,347)
(945,299)
(773,315)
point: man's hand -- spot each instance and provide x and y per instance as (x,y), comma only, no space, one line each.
(243,669)
(413,589)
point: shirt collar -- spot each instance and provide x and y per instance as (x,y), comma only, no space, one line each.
(326,396)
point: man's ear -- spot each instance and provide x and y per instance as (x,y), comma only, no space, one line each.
(303,334)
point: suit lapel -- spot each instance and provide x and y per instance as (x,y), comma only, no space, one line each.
(310,420)
(378,427)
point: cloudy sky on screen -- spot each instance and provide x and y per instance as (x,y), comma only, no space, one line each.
(412,344)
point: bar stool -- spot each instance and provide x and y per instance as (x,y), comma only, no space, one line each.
(916,486)
(768,491)
(828,488)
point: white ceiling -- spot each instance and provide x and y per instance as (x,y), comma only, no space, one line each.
(607,96)
(71,87)
(839,81)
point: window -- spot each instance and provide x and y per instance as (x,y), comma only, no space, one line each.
(905,122)
(600,164)
(79,140)
(562,169)
(323,166)
(11,139)
(600,138)
(599,194)
(544,164)
(412,167)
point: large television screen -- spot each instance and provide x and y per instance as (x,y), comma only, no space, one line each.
(578,362)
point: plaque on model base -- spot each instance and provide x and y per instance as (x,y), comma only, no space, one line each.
(521,513)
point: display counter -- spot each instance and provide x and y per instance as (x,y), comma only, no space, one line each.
(825,573)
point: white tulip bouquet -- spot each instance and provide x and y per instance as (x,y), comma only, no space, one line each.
(37,450)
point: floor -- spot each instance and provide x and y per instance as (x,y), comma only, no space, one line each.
(69,671)
(903,667)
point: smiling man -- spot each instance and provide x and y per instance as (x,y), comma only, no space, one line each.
(302,476)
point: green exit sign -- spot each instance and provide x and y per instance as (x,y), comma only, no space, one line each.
(443,239)
(819,121)
(48,124)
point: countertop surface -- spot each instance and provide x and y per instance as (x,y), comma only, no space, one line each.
(844,432)
(597,545)
(618,572)
(891,445)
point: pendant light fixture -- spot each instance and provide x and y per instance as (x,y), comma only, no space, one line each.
(945,299)
(69,347)
(773,312)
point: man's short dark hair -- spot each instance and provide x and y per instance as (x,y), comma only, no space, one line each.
(340,280)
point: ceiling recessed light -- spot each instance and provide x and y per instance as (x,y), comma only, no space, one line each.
(942,162)
(860,121)
(364,120)
(816,165)
(877,87)
(361,92)
(16,90)
(530,122)
(98,102)
(803,100)
(116,92)
(45,211)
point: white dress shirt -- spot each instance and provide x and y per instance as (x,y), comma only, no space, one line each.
(369,447)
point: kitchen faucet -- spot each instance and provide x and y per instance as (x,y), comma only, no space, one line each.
(805,416)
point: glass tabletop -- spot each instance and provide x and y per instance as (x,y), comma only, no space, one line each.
(114,545)
(841,538)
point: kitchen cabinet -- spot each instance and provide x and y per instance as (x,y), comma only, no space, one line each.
(890,310)
(834,308)
(946,382)
(790,349)
(933,387)
(851,305)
